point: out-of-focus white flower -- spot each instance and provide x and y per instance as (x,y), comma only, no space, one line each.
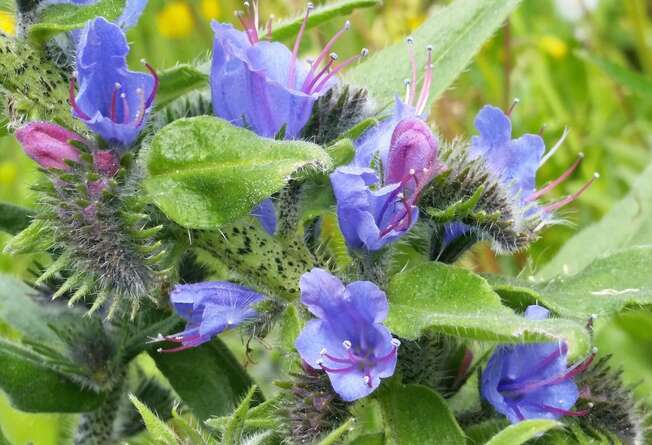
(574,10)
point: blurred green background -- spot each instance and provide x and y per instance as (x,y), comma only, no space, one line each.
(572,63)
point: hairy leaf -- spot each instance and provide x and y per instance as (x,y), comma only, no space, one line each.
(13,219)
(33,386)
(66,17)
(208,378)
(319,15)
(414,414)
(605,287)
(442,298)
(629,223)
(20,312)
(205,172)
(520,433)
(160,432)
(456,33)
(177,81)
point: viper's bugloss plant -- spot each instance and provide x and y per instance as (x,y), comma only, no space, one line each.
(280,237)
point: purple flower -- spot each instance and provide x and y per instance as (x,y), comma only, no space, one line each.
(48,144)
(266,214)
(532,381)
(347,340)
(515,162)
(112,101)
(210,308)
(373,213)
(262,85)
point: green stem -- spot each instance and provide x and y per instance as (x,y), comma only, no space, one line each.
(638,17)
(98,427)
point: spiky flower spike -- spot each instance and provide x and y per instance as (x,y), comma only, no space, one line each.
(613,407)
(490,190)
(96,224)
(438,361)
(310,408)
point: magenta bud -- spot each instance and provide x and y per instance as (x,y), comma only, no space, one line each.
(48,144)
(106,163)
(412,158)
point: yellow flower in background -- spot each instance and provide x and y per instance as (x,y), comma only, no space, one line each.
(7,23)
(175,20)
(210,9)
(8,174)
(553,46)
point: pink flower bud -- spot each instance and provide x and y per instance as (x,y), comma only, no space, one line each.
(106,162)
(412,157)
(48,144)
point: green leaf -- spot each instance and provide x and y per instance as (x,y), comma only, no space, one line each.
(369,439)
(637,83)
(20,312)
(319,15)
(205,172)
(158,429)
(177,81)
(605,287)
(235,427)
(414,414)
(522,432)
(32,386)
(67,17)
(36,238)
(629,223)
(456,33)
(208,378)
(442,298)
(334,436)
(13,219)
(290,327)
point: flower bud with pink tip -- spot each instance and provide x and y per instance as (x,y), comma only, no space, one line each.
(49,144)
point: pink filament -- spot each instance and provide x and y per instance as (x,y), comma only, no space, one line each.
(427,82)
(339,68)
(295,51)
(561,203)
(313,67)
(536,195)
(157,82)
(73,100)
(328,66)
(114,102)
(413,63)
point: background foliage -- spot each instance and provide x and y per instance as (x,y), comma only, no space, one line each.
(541,57)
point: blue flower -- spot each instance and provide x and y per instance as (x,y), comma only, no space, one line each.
(373,212)
(347,340)
(532,381)
(262,85)
(515,162)
(210,308)
(130,14)
(266,214)
(112,101)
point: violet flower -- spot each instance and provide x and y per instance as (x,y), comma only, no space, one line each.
(209,308)
(112,101)
(532,381)
(49,144)
(394,160)
(514,163)
(347,340)
(262,85)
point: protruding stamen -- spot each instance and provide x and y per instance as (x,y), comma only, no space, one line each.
(542,129)
(567,200)
(346,344)
(552,184)
(126,116)
(114,102)
(555,148)
(340,67)
(367,380)
(512,106)
(177,349)
(427,83)
(320,363)
(406,83)
(157,82)
(140,116)
(332,58)
(295,51)
(413,64)
(73,100)
(562,412)
(270,24)
(396,342)
(322,55)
